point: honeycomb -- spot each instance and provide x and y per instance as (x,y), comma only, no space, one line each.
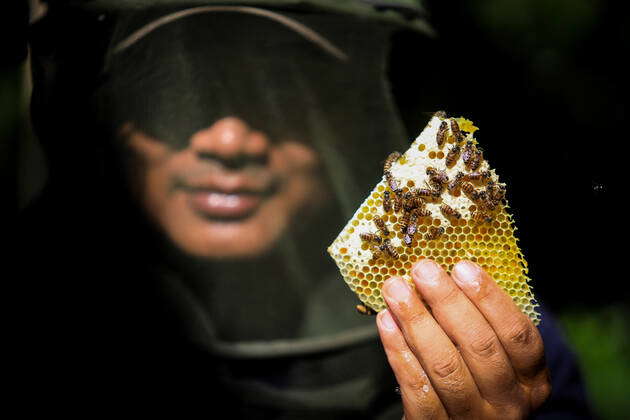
(484,232)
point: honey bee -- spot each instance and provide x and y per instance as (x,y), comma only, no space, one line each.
(490,188)
(410,202)
(370,237)
(380,224)
(490,204)
(391,181)
(408,239)
(404,221)
(398,202)
(470,191)
(412,226)
(377,252)
(440,138)
(479,216)
(389,249)
(476,160)
(387,203)
(365,310)
(493,191)
(437,179)
(469,152)
(478,176)
(409,220)
(498,192)
(393,157)
(414,203)
(493,195)
(434,233)
(450,212)
(422,212)
(440,114)
(452,155)
(456,131)
(453,186)
(427,192)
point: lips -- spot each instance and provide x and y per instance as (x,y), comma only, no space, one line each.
(226,195)
(221,205)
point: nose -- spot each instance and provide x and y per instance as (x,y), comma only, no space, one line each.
(230,139)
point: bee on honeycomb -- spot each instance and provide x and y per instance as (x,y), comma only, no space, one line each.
(484,232)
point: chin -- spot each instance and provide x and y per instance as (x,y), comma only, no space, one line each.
(213,250)
(251,238)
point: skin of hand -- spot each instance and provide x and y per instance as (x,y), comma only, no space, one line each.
(460,347)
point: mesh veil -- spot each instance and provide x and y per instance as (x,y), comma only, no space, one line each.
(185,75)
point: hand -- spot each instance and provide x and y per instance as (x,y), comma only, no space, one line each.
(474,354)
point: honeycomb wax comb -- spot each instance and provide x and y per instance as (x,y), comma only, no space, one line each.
(438,200)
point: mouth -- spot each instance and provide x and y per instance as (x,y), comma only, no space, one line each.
(217,205)
(232,197)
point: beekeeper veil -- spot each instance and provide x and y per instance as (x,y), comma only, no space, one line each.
(299,79)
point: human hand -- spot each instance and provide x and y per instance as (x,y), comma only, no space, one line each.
(473,355)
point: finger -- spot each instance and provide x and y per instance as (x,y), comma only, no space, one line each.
(518,335)
(419,398)
(468,329)
(433,349)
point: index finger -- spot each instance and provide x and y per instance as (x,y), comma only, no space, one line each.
(518,335)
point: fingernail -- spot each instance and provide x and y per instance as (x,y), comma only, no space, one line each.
(397,289)
(427,272)
(465,274)
(387,321)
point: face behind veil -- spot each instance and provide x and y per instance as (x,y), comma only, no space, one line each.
(243,142)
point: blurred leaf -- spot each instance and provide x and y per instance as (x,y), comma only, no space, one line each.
(518,24)
(600,337)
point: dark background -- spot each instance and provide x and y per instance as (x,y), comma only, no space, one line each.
(547,84)
(544,81)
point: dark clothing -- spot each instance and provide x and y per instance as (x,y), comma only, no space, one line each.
(163,355)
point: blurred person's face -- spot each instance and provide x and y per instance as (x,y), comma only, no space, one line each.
(231,193)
